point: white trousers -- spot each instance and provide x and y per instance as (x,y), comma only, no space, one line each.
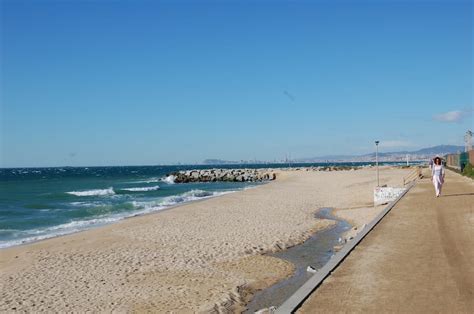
(438,184)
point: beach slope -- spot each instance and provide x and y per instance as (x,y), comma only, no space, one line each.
(196,257)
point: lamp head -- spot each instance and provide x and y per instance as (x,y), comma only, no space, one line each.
(377,142)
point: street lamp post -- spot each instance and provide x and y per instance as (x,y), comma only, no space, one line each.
(377,160)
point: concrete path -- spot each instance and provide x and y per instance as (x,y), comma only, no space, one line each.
(418,259)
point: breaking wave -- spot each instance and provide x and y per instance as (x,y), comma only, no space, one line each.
(142,189)
(26,236)
(169,179)
(18,237)
(97,192)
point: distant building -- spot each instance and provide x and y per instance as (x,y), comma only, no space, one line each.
(468,141)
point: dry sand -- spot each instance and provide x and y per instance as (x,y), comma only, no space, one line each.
(358,217)
(192,258)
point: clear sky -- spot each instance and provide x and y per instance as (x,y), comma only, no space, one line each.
(148,82)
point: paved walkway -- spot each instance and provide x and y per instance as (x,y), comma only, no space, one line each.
(419,259)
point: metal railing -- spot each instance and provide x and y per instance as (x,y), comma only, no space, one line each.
(412,176)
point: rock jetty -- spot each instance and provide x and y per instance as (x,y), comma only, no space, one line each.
(223,175)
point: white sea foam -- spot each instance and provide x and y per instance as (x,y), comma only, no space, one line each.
(97,192)
(59,230)
(169,179)
(81,224)
(145,207)
(142,189)
(189,196)
(88,204)
(151,180)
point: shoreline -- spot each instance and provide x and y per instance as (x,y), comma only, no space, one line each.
(274,171)
(199,256)
(135,216)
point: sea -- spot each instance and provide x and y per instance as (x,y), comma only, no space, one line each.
(40,203)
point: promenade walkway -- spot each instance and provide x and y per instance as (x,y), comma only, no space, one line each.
(418,259)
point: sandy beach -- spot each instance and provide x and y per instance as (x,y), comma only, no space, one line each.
(193,258)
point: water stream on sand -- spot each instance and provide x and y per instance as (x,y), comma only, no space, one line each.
(315,252)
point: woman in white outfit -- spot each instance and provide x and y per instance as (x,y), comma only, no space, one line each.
(437,175)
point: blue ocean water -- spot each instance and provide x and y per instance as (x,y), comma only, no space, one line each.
(38,203)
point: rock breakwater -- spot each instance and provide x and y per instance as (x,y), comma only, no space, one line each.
(244,175)
(223,175)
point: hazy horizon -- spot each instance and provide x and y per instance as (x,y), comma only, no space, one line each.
(237,162)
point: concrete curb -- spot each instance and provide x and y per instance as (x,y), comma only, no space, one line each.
(297,299)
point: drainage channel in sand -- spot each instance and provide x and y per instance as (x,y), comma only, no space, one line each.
(315,252)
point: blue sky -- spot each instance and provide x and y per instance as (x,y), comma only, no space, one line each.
(148,82)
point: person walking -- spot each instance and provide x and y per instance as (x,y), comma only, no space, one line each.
(437,175)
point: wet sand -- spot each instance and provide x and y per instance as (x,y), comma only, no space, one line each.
(196,257)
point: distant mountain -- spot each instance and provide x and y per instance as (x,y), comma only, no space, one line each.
(435,150)
(421,154)
(232,162)
(326,157)
(440,149)
(219,162)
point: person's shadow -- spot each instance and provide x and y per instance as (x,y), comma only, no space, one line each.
(460,194)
